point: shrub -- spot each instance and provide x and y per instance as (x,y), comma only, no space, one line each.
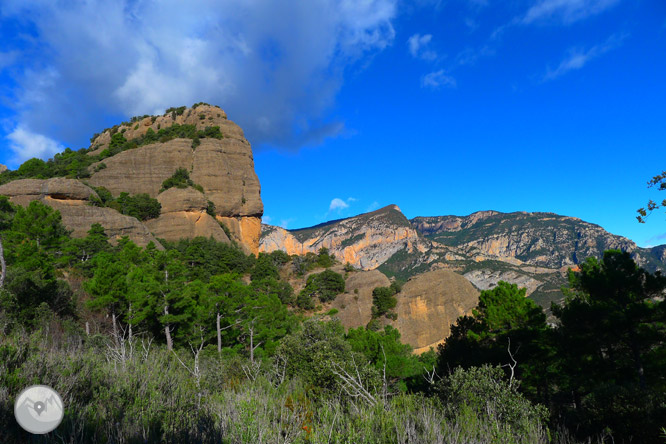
(486,392)
(180,179)
(324,259)
(326,285)
(383,301)
(141,206)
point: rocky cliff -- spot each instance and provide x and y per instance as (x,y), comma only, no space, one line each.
(365,241)
(541,239)
(223,199)
(73,199)
(223,167)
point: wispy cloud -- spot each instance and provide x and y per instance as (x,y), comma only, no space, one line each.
(372,207)
(266,219)
(26,144)
(419,47)
(565,11)
(437,80)
(577,58)
(275,66)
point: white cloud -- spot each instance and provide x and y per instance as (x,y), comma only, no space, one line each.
(338,204)
(266,219)
(372,207)
(578,58)
(275,66)
(437,79)
(25,144)
(418,47)
(565,11)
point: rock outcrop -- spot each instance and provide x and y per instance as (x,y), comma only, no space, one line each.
(72,199)
(427,305)
(224,168)
(184,216)
(365,241)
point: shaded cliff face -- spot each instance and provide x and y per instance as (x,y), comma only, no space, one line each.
(224,168)
(72,199)
(365,241)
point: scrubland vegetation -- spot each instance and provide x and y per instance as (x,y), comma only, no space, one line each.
(202,343)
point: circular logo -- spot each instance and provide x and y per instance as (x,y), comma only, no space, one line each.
(38,409)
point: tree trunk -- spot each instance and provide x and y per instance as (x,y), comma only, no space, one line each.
(87,329)
(130,322)
(115,327)
(4,265)
(219,335)
(167,331)
(252,344)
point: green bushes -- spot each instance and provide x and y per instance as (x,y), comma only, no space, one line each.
(140,206)
(384,301)
(486,392)
(180,179)
(325,285)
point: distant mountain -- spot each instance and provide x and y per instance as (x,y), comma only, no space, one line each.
(533,250)
(541,239)
(365,241)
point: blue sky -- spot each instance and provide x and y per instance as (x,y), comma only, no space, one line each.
(441,107)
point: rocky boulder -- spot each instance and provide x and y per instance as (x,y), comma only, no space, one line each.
(429,303)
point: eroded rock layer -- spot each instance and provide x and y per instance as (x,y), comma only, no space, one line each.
(72,199)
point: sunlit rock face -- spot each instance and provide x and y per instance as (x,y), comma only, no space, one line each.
(224,168)
(365,241)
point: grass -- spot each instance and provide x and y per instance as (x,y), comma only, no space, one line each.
(149,397)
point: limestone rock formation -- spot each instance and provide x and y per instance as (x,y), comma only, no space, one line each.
(184,216)
(365,241)
(71,198)
(355,304)
(224,168)
(3,168)
(427,305)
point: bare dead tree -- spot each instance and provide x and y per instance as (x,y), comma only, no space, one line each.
(431,375)
(512,365)
(352,383)
(279,370)
(3,264)
(195,370)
